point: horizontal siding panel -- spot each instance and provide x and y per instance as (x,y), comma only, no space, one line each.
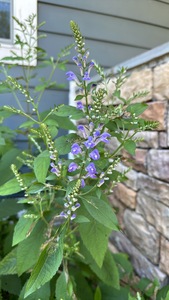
(106,54)
(139,10)
(49,99)
(106,28)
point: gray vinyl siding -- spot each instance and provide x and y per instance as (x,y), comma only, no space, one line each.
(114,30)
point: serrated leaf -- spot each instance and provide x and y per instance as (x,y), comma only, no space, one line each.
(22,229)
(61,291)
(9,207)
(108,272)
(30,248)
(63,145)
(10,187)
(101,212)
(41,166)
(8,264)
(10,157)
(130,146)
(137,108)
(68,111)
(42,293)
(46,267)
(65,123)
(95,236)
(11,284)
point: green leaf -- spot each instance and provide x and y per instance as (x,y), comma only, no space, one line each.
(10,187)
(9,207)
(101,212)
(36,187)
(63,145)
(163,293)
(137,108)
(46,267)
(41,166)
(95,236)
(69,111)
(81,285)
(79,97)
(30,248)
(8,264)
(61,291)
(108,272)
(22,229)
(43,293)
(98,295)
(10,157)
(11,284)
(130,146)
(110,293)
(65,123)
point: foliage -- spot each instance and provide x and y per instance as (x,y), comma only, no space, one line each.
(55,235)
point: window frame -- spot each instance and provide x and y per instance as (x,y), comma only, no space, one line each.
(21,10)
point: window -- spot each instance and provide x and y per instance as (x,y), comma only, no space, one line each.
(8,8)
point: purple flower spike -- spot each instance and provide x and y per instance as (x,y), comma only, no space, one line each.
(91,169)
(75,149)
(79,105)
(86,76)
(72,167)
(94,154)
(71,76)
(104,136)
(89,143)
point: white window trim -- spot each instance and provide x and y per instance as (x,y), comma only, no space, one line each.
(21,10)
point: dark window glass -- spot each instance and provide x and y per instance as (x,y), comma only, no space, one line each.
(5,19)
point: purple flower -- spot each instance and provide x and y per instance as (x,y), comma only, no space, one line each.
(89,143)
(54,169)
(103,137)
(94,154)
(82,183)
(86,76)
(73,217)
(82,129)
(97,133)
(72,167)
(100,182)
(63,214)
(76,206)
(91,169)
(75,149)
(71,76)
(79,105)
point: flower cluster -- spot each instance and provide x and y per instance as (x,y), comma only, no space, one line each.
(92,138)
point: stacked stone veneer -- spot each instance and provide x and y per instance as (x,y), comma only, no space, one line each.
(143,200)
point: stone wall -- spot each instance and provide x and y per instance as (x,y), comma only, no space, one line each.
(143,200)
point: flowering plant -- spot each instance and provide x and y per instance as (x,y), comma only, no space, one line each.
(60,241)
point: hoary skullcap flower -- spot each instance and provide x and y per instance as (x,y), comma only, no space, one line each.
(71,76)
(72,167)
(75,149)
(79,105)
(89,143)
(91,169)
(94,154)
